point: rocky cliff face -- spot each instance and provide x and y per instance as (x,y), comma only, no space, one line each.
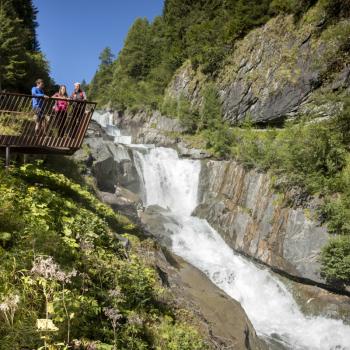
(241,205)
(276,70)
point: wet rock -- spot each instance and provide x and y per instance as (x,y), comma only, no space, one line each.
(155,220)
(221,318)
(315,301)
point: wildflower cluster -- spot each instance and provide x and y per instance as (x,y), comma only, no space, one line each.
(8,308)
(48,269)
(113,315)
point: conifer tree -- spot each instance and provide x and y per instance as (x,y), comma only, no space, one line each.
(12,52)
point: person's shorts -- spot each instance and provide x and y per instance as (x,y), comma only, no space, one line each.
(39,113)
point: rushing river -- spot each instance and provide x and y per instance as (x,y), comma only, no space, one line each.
(172,183)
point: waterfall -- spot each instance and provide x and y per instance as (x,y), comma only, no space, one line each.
(105,119)
(166,182)
(172,183)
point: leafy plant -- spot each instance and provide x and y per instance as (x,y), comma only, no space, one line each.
(336,260)
(64,277)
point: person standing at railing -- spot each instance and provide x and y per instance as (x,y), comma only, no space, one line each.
(78,94)
(60,110)
(78,107)
(38,104)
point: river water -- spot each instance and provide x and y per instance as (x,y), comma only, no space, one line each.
(172,183)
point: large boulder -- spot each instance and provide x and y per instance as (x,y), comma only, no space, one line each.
(110,164)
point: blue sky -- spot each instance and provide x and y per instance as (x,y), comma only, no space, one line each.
(72,33)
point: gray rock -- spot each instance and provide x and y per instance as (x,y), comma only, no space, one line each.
(193,153)
(221,319)
(111,165)
(155,220)
(151,128)
(243,208)
(125,242)
(342,81)
(104,167)
(123,201)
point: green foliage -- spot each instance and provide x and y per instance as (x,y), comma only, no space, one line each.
(336,260)
(291,6)
(59,182)
(103,77)
(210,113)
(336,8)
(60,261)
(12,55)
(215,130)
(178,337)
(21,62)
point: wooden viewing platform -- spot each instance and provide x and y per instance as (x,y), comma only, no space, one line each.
(63,133)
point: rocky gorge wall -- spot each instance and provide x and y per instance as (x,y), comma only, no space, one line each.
(242,206)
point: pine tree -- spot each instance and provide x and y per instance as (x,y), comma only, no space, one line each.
(100,83)
(12,52)
(106,57)
(27,12)
(210,113)
(135,56)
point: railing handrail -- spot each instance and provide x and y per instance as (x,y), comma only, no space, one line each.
(47,98)
(32,123)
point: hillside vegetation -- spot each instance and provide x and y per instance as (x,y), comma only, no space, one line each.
(65,277)
(204,32)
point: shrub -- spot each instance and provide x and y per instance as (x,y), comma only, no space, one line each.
(336,260)
(179,337)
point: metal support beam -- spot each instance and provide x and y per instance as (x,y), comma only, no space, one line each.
(8,156)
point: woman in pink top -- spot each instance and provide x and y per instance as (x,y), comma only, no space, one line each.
(60,108)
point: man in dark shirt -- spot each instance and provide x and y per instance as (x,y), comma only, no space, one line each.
(78,93)
(78,109)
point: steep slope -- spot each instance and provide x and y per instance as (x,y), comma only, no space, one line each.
(68,278)
(276,70)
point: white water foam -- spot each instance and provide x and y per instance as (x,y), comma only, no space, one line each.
(172,183)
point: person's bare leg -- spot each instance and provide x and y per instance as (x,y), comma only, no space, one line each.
(37,124)
(43,125)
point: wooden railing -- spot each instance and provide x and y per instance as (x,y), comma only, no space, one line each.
(61,130)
